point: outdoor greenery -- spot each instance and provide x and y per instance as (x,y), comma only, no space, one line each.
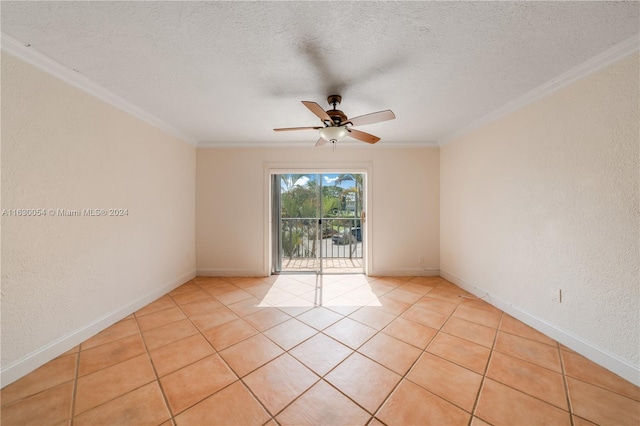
(300,200)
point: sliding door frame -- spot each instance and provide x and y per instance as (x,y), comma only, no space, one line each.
(270,169)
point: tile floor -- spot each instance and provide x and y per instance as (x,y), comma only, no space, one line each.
(335,350)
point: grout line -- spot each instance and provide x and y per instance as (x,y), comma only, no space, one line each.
(404,376)
(527,338)
(321,378)
(264,407)
(347,396)
(75,388)
(565,382)
(602,388)
(297,397)
(240,379)
(155,372)
(119,396)
(484,375)
(215,352)
(103,368)
(493,350)
(591,383)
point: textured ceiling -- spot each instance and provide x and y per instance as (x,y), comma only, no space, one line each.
(229,72)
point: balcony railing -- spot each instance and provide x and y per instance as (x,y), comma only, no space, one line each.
(340,238)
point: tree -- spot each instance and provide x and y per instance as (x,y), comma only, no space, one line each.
(358,180)
(298,200)
(299,204)
(331,191)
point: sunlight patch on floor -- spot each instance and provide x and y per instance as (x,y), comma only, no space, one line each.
(302,290)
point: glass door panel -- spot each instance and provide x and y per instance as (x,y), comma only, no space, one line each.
(317,222)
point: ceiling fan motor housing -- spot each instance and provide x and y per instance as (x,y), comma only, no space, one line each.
(334,100)
(336,115)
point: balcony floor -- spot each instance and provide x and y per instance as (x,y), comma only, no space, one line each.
(329,265)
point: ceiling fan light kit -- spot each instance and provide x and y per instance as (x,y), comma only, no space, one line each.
(336,124)
(333,133)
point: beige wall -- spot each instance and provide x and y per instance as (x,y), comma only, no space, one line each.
(64,278)
(548,197)
(232,205)
(545,197)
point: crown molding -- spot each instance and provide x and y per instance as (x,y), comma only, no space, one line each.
(77,80)
(310,144)
(608,57)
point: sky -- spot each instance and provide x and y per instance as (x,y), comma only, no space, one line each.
(328,179)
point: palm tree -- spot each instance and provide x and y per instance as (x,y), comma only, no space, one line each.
(358,179)
(300,202)
(289,180)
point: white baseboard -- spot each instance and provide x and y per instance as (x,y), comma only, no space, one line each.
(600,356)
(408,272)
(231,273)
(41,356)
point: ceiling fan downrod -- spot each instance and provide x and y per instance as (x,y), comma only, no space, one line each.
(334,100)
(337,117)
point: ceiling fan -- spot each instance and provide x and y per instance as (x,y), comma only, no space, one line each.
(336,125)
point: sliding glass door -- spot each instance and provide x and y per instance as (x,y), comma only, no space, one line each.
(317,222)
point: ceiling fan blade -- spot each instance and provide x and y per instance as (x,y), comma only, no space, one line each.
(317,110)
(362,136)
(288,129)
(321,142)
(374,117)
